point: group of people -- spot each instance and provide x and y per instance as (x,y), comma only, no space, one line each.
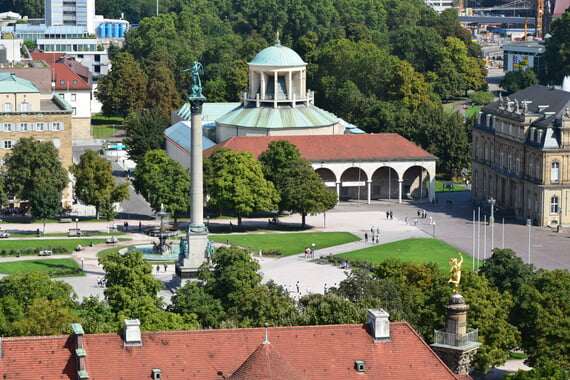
(389,215)
(374,235)
(101,281)
(158,268)
(309,253)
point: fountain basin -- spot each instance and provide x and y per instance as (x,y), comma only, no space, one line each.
(149,255)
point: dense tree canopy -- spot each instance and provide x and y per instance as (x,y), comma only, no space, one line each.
(235,182)
(124,89)
(95,184)
(145,132)
(34,172)
(163,181)
(557,54)
(514,81)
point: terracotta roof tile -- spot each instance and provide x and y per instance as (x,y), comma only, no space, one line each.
(266,364)
(314,352)
(363,147)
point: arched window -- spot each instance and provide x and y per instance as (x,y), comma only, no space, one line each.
(554,205)
(555,172)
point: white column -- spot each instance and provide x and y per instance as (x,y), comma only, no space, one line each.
(431,195)
(275,83)
(196,170)
(368,187)
(338,191)
(400,190)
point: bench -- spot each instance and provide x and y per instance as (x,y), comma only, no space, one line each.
(74,232)
(45,252)
(322,261)
(65,220)
(111,240)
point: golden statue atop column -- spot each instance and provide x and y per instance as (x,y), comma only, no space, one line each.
(455,271)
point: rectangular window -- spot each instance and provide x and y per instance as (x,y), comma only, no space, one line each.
(40,127)
(7,107)
(8,127)
(23,127)
(8,144)
(554,205)
(57,126)
(555,172)
(73,97)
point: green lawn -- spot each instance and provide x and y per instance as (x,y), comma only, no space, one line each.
(6,246)
(472,110)
(105,127)
(54,267)
(287,243)
(421,251)
(440,189)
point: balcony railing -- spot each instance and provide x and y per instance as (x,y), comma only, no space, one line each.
(456,340)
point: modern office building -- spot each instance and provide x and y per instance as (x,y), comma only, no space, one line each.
(71,13)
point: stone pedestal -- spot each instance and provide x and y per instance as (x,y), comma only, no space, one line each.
(456,345)
(187,266)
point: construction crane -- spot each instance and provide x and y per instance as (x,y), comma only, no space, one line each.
(539,16)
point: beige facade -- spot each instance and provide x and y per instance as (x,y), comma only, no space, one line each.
(521,155)
(42,117)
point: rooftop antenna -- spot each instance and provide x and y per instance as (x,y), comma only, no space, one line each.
(266,341)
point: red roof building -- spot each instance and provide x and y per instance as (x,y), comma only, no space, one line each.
(363,166)
(391,351)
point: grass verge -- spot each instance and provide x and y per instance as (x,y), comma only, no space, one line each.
(32,246)
(53,267)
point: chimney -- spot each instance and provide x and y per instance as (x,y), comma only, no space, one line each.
(80,351)
(133,332)
(379,323)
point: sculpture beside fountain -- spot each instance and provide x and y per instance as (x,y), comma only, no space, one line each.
(162,233)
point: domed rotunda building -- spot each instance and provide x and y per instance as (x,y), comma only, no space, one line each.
(277,102)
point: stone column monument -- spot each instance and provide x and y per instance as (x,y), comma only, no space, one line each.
(456,345)
(197,248)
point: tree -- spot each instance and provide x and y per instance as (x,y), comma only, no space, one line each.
(192,298)
(544,323)
(130,282)
(238,184)
(123,90)
(514,81)
(277,158)
(329,309)
(161,88)
(45,203)
(489,312)
(51,317)
(96,316)
(557,53)
(32,167)
(163,181)
(482,98)
(543,370)
(506,271)
(145,131)
(95,184)
(22,298)
(303,191)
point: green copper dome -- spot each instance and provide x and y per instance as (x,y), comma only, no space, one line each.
(277,55)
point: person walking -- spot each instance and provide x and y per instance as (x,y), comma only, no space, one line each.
(366,237)
(157,269)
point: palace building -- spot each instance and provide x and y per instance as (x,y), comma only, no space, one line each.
(521,155)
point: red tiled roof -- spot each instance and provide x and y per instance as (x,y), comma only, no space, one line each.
(266,364)
(73,71)
(315,352)
(66,79)
(363,147)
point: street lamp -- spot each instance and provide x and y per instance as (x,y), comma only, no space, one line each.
(433,229)
(529,223)
(82,260)
(76,226)
(492,221)
(313,250)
